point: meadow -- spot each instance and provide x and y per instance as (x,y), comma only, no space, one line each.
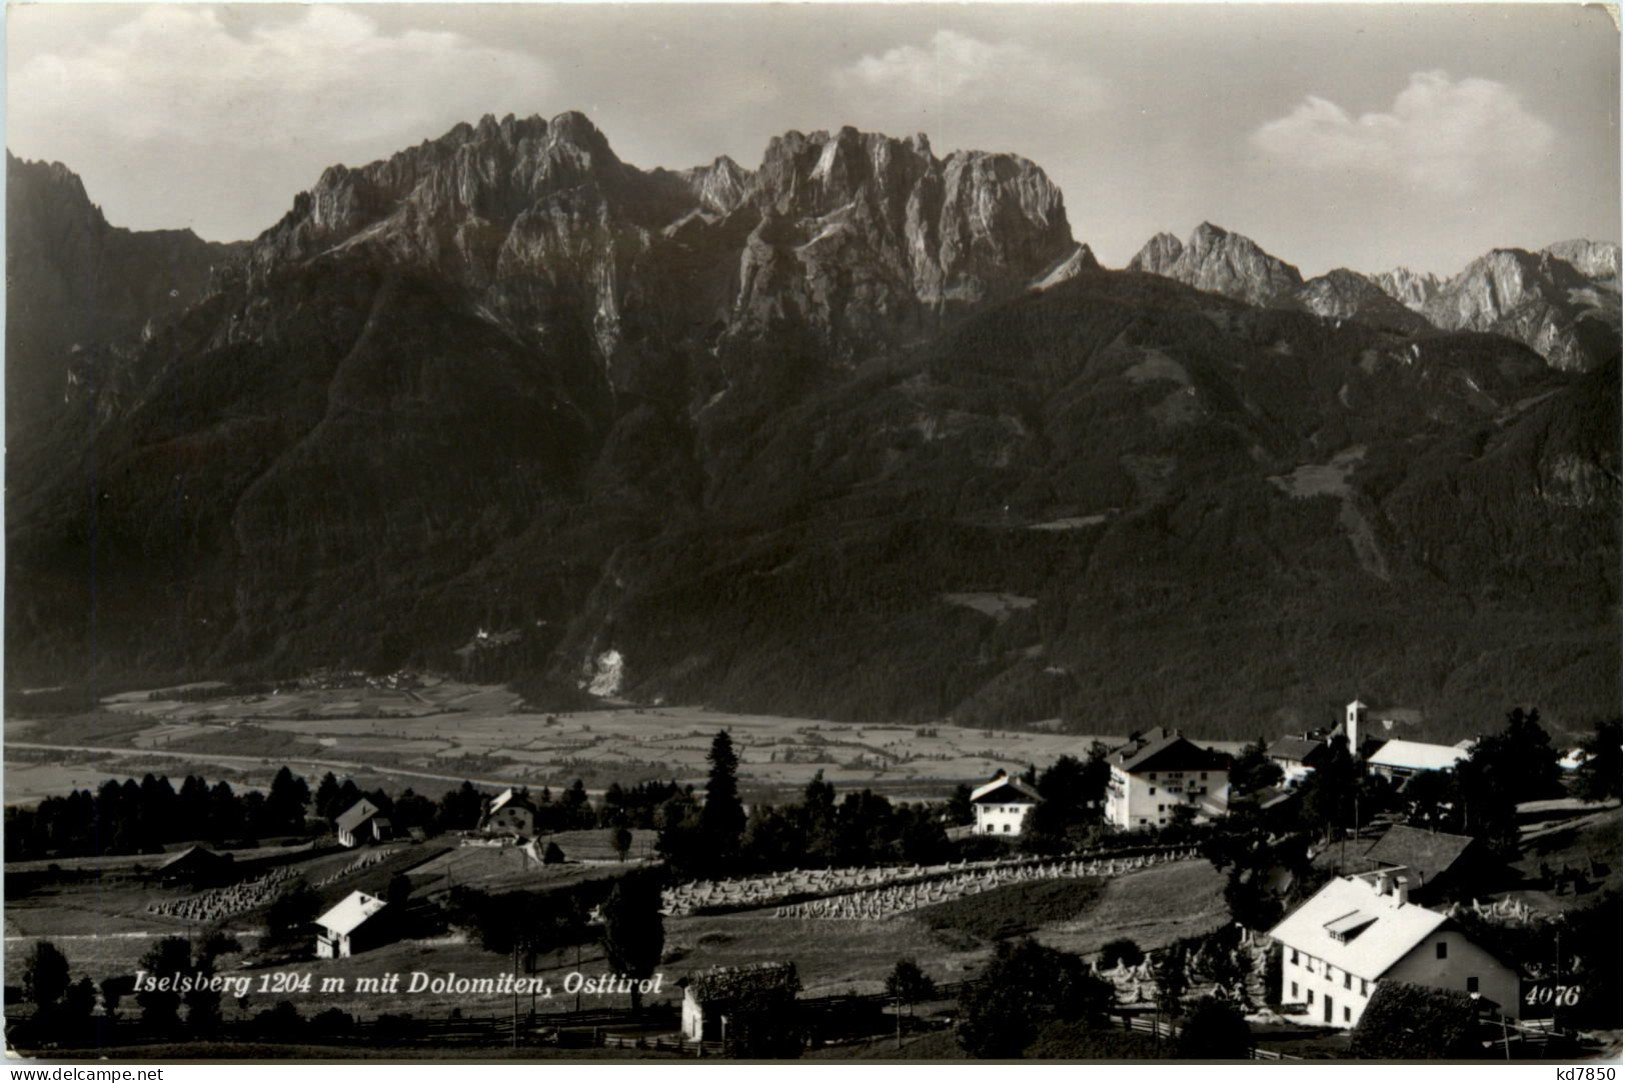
(434,736)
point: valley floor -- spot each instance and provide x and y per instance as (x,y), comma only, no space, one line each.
(433,736)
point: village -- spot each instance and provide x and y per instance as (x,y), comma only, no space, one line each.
(1323,894)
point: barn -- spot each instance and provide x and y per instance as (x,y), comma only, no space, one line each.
(711,996)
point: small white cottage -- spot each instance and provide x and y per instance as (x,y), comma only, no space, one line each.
(351,926)
(1002,805)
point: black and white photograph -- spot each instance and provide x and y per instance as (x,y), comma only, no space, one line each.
(594,533)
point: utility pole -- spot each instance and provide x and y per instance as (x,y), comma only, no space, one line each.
(1557,974)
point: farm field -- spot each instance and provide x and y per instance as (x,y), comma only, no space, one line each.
(1153,908)
(437,734)
(103,927)
(103,924)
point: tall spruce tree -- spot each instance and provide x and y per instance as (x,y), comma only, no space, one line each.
(722,821)
(634,931)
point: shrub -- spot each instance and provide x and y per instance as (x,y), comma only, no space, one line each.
(1121,950)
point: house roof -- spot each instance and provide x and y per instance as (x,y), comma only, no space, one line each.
(1428,854)
(1376,945)
(349,915)
(509,798)
(1274,796)
(1416,756)
(356,815)
(727,983)
(1019,791)
(1296,749)
(1574,759)
(1165,750)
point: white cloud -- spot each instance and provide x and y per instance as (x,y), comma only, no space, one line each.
(190,74)
(1441,136)
(955,69)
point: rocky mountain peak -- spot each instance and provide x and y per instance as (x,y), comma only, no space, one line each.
(1594,259)
(1538,298)
(1343,294)
(1158,254)
(857,235)
(1219,261)
(858,224)
(1406,286)
(88,284)
(48,180)
(1081,259)
(720,186)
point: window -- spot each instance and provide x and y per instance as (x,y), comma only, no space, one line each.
(1311,996)
(1472,985)
(1294,990)
(1348,1016)
(1441,950)
(1294,956)
(1348,980)
(1363,991)
(1204,779)
(1162,808)
(1006,829)
(1153,791)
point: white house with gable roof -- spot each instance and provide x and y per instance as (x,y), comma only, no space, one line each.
(1358,931)
(1159,770)
(1001,805)
(351,926)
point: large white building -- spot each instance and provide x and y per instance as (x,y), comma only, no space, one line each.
(1158,771)
(1358,931)
(1002,805)
(1402,759)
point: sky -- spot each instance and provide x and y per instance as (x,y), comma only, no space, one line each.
(1365,136)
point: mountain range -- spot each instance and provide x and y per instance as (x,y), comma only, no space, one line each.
(862,433)
(1563,302)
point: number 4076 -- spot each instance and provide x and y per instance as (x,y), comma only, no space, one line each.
(1562,996)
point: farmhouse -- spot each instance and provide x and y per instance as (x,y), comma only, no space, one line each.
(1001,805)
(510,813)
(1360,931)
(362,822)
(712,996)
(1436,865)
(1297,756)
(353,925)
(1158,771)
